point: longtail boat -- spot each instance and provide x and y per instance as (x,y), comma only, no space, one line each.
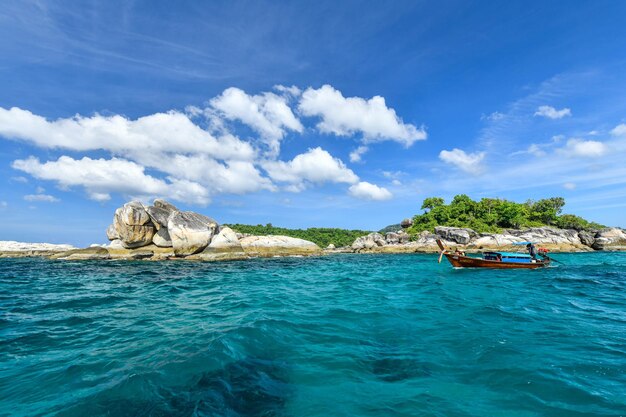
(497,260)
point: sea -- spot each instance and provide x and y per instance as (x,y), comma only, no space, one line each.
(340,335)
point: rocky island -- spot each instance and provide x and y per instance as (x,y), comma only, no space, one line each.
(161,231)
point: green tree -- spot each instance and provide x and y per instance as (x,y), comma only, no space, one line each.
(432,202)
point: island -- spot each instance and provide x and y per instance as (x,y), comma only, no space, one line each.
(161,231)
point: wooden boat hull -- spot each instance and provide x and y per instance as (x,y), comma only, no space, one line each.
(460,261)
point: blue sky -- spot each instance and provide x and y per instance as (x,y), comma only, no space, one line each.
(338,114)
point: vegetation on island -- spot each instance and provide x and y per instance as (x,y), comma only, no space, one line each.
(491,215)
(322,236)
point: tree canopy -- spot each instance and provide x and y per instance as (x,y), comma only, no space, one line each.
(491,215)
(322,236)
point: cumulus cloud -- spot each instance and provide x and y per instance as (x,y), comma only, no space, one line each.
(314,166)
(100,177)
(367,191)
(345,116)
(147,138)
(46,198)
(619,130)
(585,148)
(173,155)
(468,162)
(355,155)
(552,113)
(268,114)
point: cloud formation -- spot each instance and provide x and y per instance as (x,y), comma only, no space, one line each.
(367,191)
(467,162)
(346,116)
(172,154)
(314,166)
(46,198)
(585,148)
(552,113)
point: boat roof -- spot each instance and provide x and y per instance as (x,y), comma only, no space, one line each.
(512,254)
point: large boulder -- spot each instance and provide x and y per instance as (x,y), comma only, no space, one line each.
(112,233)
(369,242)
(586,238)
(396,238)
(269,246)
(158,216)
(162,238)
(455,234)
(406,223)
(190,232)
(133,225)
(225,241)
(610,239)
(160,203)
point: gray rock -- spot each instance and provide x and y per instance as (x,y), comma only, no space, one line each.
(586,238)
(396,238)
(610,239)
(159,216)
(226,241)
(112,233)
(455,234)
(370,241)
(190,232)
(162,238)
(406,223)
(133,225)
(160,203)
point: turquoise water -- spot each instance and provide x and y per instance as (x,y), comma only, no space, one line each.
(346,335)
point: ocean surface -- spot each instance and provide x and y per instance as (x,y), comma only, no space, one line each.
(345,335)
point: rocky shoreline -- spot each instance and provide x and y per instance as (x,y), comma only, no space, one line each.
(551,238)
(161,231)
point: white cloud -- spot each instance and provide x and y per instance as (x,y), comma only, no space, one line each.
(619,130)
(267,113)
(316,166)
(46,198)
(3,204)
(493,117)
(40,190)
(148,139)
(552,113)
(468,162)
(569,186)
(355,155)
(367,191)
(345,116)
(22,180)
(100,177)
(536,150)
(585,148)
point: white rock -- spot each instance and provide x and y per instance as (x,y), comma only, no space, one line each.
(162,238)
(190,232)
(13,246)
(225,241)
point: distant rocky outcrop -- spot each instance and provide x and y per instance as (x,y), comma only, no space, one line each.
(162,231)
(552,238)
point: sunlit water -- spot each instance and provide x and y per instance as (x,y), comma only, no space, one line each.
(346,335)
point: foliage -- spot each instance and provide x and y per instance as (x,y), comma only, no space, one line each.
(390,228)
(322,236)
(490,215)
(571,221)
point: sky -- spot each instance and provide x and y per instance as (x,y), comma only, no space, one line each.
(308,113)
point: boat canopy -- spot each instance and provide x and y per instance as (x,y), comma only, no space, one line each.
(524,243)
(514,255)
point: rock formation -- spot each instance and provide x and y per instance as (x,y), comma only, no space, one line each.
(132,225)
(190,232)
(467,239)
